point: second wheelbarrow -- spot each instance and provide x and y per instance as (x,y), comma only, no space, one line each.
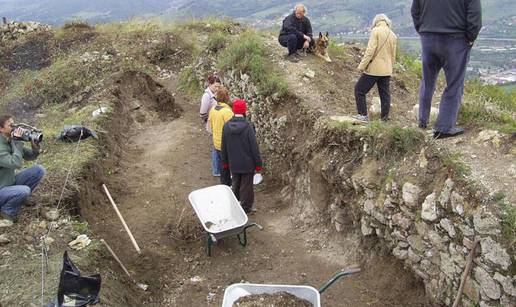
(220,214)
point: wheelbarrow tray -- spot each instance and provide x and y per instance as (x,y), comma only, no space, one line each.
(236,291)
(218,211)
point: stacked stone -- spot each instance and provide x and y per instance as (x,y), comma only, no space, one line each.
(433,234)
(14,30)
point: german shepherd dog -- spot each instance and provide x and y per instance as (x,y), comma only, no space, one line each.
(321,46)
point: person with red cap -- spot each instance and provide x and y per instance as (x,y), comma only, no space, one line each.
(241,155)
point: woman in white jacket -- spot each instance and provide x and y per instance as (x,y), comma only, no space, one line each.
(208,101)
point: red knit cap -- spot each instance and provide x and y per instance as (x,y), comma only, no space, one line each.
(239,106)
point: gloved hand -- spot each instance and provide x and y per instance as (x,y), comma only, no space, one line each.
(258,168)
(225,165)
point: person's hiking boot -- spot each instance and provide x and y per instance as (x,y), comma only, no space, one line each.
(448,134)
(254,209)
(294,58)
(362,118)
(216,175)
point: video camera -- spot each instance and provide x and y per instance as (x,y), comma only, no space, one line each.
(28,133)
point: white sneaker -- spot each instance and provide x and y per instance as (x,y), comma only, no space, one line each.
(362,118)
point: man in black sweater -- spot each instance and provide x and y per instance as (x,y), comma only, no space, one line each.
(448,29)
(240,154)
(296,33)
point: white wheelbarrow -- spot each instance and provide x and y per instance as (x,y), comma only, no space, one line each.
(312,295)
(220,214)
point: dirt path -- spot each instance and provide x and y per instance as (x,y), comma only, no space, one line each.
(166,161)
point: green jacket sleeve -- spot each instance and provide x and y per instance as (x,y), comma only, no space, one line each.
(11,160)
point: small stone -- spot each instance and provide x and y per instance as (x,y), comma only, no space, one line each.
(429,208)
(447,225)
(444,197)
(466,231)
(488,287)
(49,240)
(416,242)
(410,194)
(457,203)
(365,228)
(413,256)
(369,206)
(447,266)
(399,253)
(52,215)
(4,239)
(423,161)
(506,283)
(487,226)
(309,73)
(494,253)
(5,223)
(402,221)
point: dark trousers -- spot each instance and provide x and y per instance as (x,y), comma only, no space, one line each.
(243,190)
(225,174)
(294,42)
(451,53)
(364,85)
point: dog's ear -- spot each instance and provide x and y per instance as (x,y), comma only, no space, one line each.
(327,35)
(320,34)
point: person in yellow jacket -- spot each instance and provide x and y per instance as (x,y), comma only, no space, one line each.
(218,116)
(376,67)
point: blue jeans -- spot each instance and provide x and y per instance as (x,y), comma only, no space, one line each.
(225,174)
(451,53)
(215,169)
(12,197)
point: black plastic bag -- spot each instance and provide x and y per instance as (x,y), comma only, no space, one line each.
(72,133)
(76,290)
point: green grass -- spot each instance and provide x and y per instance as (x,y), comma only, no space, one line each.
(455,165)
(391,138)
(189,83)
(217,41)
(246,54)
(488,107)
(508,88)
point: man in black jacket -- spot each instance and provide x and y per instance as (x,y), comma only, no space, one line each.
(296,32)
(448,29)
(240,154)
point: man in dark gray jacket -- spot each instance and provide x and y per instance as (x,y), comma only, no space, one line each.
(240,154)
(296,33)
(448,29)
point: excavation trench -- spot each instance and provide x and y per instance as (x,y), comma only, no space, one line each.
(156,153)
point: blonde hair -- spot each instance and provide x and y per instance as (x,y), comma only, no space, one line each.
(300,6)
(381,17)
(222,94)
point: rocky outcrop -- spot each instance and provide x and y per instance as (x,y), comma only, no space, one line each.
(14,30)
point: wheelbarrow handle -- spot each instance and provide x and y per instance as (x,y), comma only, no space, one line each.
(337,276)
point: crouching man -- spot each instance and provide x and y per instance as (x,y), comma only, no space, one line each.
(240,154)
(15,188)
(296,33)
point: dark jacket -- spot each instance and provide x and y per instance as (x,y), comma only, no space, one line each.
(448,16)
(239,147)
(291,24)
(12,154)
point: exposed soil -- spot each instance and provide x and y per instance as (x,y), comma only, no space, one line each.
(164,160)
(280,299)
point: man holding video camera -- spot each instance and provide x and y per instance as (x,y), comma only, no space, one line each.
(16,188)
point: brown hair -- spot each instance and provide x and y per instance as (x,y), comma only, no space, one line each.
(4,118)
(222,95)
(213,79)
